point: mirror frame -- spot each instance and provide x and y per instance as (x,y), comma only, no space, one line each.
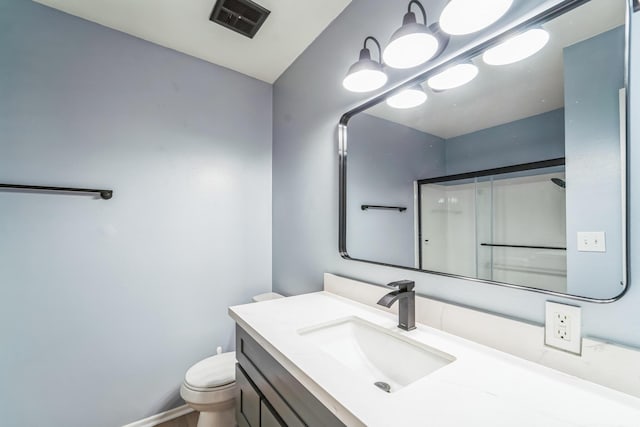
(475,49)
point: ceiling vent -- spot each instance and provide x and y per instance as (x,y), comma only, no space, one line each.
(242,16)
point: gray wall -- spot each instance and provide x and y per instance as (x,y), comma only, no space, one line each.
(535,138)
(592,84)
(105,304)
(305,163)
(385,158)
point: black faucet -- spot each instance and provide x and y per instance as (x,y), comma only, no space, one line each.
(407,308)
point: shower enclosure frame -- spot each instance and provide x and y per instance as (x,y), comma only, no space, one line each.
(560,161)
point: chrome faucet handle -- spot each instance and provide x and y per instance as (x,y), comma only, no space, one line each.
(403,285)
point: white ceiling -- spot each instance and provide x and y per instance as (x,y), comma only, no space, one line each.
(184,25)
(502,94)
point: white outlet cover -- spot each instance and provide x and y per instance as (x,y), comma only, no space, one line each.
(591,241)
(553,312)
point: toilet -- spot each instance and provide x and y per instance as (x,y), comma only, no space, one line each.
(209,385)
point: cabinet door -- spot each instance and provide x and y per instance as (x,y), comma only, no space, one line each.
(290,400)
(267,417)
(247,401)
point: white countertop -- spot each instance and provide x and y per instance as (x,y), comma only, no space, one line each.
(482,387)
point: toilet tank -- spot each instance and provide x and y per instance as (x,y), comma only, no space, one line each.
(266,297)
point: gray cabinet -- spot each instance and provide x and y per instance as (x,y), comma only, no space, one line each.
(267,417)
(252,410)
(247,401)
(269,396)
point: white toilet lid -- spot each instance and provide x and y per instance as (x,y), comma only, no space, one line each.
(213,371)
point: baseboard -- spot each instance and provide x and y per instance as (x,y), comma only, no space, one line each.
(162,417)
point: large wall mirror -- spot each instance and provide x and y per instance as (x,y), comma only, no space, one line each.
(517,178)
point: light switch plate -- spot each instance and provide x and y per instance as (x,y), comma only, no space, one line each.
(563,327)
(591,241)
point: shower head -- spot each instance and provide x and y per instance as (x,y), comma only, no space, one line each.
(559,182)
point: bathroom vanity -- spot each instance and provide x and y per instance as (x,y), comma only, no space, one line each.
(268,395)
(317,359)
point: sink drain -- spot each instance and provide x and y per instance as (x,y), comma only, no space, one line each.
(383,386)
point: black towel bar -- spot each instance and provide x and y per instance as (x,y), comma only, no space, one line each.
(555,248)
(398,208)
(104,194)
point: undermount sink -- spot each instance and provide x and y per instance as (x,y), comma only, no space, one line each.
(381,357)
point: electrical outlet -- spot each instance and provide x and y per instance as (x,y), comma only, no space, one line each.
(591,241)
(563,327)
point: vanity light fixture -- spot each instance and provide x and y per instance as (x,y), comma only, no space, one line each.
(366,74)
(453,77)
(517,48)
(408,98)
(461,17)
(412,44)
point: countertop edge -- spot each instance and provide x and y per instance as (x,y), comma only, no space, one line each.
(343,414)
(465,350)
